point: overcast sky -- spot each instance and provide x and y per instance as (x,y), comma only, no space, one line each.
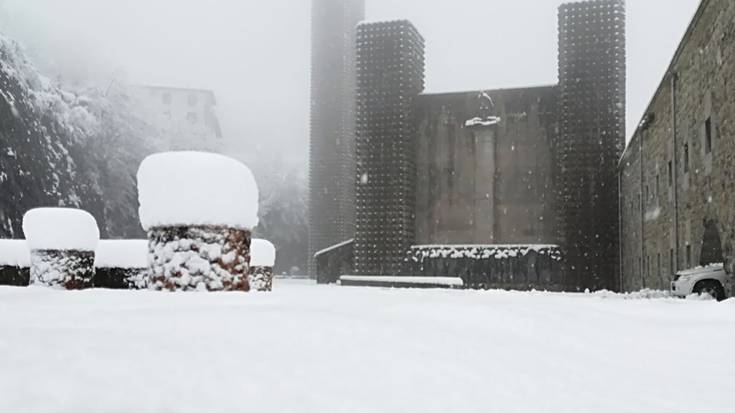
(255,54)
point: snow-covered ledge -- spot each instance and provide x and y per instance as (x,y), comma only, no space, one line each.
(62,243)
(262,261)
(199,210)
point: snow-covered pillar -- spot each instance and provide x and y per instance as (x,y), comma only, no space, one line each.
(263,259)
(199,210)
(62,243)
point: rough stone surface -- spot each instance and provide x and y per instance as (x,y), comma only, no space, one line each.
(261,279)
(680,219)
(71,270)
(486,184)
(199,258)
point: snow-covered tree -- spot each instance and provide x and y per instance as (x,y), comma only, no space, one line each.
(59,148)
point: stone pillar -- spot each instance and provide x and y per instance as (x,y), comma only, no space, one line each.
(203,258)
(263,259)
(62,243)
(199,210)
(67,269)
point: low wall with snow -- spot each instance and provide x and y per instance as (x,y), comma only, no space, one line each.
(121,264)
(15,263)
(516,267)
(14,276)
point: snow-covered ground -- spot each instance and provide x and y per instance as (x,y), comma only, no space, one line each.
(307,348)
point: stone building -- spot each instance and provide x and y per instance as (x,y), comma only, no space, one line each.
(186,117)
(592,75)
(332,142)
(677,176)
(528,169)
(390,75)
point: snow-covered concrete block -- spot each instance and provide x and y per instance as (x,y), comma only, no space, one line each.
(262,261)
(62,242)
(199,210)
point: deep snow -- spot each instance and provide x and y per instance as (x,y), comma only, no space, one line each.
(307,348)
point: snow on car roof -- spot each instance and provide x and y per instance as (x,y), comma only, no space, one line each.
(712,268)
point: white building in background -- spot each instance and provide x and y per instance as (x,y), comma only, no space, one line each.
(186,117)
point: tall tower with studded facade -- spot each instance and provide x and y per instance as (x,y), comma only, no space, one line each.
(592,75)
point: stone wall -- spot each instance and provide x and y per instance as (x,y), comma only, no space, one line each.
(489,181)
(677,202)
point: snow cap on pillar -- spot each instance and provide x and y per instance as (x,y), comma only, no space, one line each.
(196,189)
(262,253)
(60,229)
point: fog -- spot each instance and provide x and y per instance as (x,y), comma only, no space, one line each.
(255,55)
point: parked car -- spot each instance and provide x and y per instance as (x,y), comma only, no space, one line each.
(712,280)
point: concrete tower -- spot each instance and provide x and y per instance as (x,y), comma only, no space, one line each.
(332,142)
(592,73)
(390,76)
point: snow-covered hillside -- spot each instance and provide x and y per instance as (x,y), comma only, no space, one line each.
(305,348)
(66,148)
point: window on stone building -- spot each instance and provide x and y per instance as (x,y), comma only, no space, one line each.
(689,256)
(671,173)
(708,136)
(658,187)
(193,99)
(686,158)
(658,264)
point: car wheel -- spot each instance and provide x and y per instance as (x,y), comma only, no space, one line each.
(713,288)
